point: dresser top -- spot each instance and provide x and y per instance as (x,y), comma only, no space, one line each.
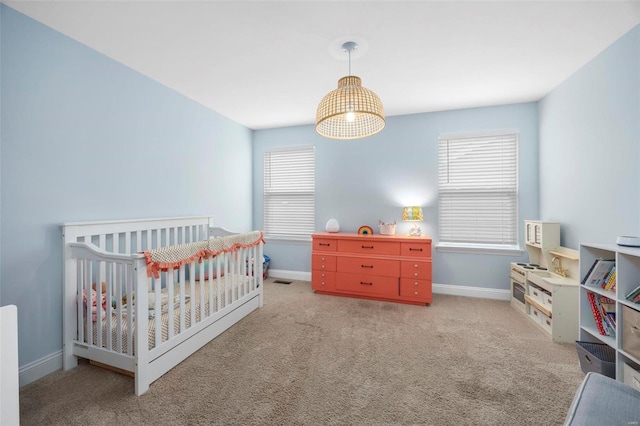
(356,236)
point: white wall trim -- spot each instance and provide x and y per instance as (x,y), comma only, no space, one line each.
(289,275)
(479,292)
(453,290)
(39,368)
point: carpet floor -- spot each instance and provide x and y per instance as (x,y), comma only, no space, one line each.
(308,359)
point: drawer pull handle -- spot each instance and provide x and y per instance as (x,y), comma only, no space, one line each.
(414,249)
(416,293)
(324,275)
(367,247)
(416,265)
(367,266)
(324,258)
(363,283)
(322,282)
(415,274)
(323,266)
(415,283)
(325,244)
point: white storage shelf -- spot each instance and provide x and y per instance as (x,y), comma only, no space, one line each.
(549,299)
(554,297)
(627,278)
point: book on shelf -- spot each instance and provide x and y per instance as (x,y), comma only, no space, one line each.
(633,294)
(609,282)
(598,272)
(597,316)
(608,308)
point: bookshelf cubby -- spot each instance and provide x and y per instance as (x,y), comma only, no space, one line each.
(627,278)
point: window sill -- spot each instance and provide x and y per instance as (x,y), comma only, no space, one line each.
(288,240)
(480,249)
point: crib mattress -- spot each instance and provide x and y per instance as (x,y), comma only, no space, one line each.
(236,288)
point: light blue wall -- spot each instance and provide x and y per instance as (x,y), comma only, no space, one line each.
(590,148)
(85,138)
(362,181)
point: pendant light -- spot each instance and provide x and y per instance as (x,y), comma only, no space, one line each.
(351,111)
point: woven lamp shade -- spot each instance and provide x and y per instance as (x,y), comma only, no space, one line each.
(349,112)
(412,214)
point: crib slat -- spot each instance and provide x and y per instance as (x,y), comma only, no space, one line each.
(182,299)
(79,299)
(138,241)
(127,242)
(149,239)
(157,287)
(192,298)
(202,293)
(246,266)
(216,308)
(87,289)
(119,291)
(170,304)
(115,243)
(109,307)
(128,276)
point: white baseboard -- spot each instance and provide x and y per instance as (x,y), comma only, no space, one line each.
(454,290)
(479,292)
(289,275)
(38,369)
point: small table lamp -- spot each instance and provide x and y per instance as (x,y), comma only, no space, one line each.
(413,214)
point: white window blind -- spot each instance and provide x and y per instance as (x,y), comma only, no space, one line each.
(289,193)
(478,189)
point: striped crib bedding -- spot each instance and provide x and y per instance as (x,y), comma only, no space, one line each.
(202,303)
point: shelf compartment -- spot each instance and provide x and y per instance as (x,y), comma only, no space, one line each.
(566,255)
(539,306)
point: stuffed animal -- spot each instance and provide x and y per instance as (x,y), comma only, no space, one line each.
(94,304)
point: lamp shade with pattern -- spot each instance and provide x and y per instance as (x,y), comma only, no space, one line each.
(350,111)
(413,214)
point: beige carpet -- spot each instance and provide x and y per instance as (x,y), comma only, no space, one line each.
(307,359)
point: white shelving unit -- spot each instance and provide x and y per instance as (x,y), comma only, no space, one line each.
(627,278)
(551,299)
(547,298)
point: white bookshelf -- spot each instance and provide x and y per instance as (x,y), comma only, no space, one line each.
(627,278)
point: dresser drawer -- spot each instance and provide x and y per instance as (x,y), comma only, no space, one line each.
(415,269)
(415,288)
(324,244)
(367,284)
(369,247)
(323,280)
(417,249)
(369,266)
(323,262)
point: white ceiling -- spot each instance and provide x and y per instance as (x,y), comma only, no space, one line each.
(267,64)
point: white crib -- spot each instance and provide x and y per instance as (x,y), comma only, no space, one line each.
(107,286)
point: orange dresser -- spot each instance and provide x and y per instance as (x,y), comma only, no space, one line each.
(394,268)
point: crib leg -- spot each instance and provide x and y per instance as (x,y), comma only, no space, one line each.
(142,385)
(69,360)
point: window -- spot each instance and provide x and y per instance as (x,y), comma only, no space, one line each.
(478,190)
(289,193)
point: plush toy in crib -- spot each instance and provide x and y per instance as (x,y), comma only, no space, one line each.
(94,304)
